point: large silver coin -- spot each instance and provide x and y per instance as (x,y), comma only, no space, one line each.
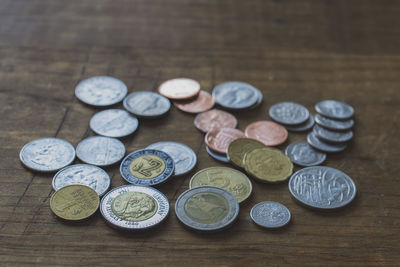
(184,157)
(83,174)
(47,154)
(335,125)
(322,187)
(305,126)
(259,100)
(147,104)
(100,150)
(302,154)
(133,207)
(289,113)
(113,123)
(270,214)
(101,91)
(334,109)
(236,95)
(207,208)
(217,156)
(332,136)
(317,143)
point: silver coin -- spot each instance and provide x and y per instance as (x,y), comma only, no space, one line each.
(235,95)
(334,109)
(335,125)
(270,214)
(83,174)
(302,154)
(260,98)
(207,208)
(147,104)
(113,123)
(184,157)
(47,154)
(322,187)
(101,91)
(317,143)
(100,150)
(216,156)
(289,113)
(332,136)
(133,207)
(305,126)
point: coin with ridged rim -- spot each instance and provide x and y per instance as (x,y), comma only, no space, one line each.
(302,154)
(235,95)
(113,123)
(317,143)
(336,125)
(100,150)
(145,104)
(332,136)
(270,214)
(238,148)
(289,113)
(334,109)
(305,126)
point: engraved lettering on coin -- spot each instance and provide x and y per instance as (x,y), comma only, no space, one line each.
(100,150)
(113,123)
(302,154)
(206,208)
(270,214)
(334,109)
(289,113)
(134,206)
(147,167)
(147,104)
(235,95)
(333,124)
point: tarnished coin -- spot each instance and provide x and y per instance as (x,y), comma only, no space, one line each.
(203,102)
(100,150)
(219,139)
(332,136)
(226,178)
(322,187)
(179,88)
(289,113)
(133,207)
(113,123)
(235,95)
(334,109)
(47,154)
(305,126)
(74,202)
(101,91)
(302,154)
(267,132)
(335,125)
(147,167)
(84,174)
(217,156)
(184,157)
(317,143)
(270,214)
(214,118)
(268,165)
(238,148)
(207,208)
(146,104)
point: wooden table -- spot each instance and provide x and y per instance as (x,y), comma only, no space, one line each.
(302,51)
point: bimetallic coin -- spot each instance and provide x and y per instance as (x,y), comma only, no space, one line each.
(84,174)
(334,109)
(214,118)
(289,113)
(146,104)
(207,208)
(235,95)
(133,207)
(335,125)
(302,154)
(322,187)
(47,154)
(305,126)
(100,150)
(238,148)
(270,214)
(317,143)
(267,132)
(179,88)
(203,102)
(74,202)
(218,140)
(215,155)
(332,136)
(113,123)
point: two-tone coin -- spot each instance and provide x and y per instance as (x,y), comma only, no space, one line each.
(113,123)
(179,88)
(100,150)
(201,103)
(145,104)
(217,156)
(238,148)
(289,113)
(317,143)
(235,95)
(305,126)
(334,109)
(214,118)
(270,214)
(336,125)
(218,140)
(332,136)
(267,132)
(302,154)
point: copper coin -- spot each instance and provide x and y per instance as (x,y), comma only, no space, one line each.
(214,118)
(204,101)
(218,140)
(179,88)
(267,132)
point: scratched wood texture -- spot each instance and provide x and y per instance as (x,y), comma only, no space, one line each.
(303,51)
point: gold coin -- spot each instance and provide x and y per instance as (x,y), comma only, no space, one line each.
(268,165)
(226,178)
(74,202)
(147,166)
(207,207)
(134,206)
(238,148)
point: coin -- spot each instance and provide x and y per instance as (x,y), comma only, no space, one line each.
(305,126)
(238,148)
(47,154)
(289,113)
(267,132)
(335,125)
(184,157)
(270,214)
(146,104)
(332,136)
(179,88)
(268,165)
(215,155)
(214,118)
(226,178)
(203,102)
(113,123)
(317,143)
(259,99)
(235,95)
(100,150)
(101,91)
(207,208)
(74,202)
(218,140)
(302,154)
(147,167)
(133,207)
(322,187)
(84,174)
(334,109)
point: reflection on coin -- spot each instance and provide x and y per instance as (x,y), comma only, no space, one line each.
(203,102)
(289,113)
(334,109)
(113,123)
(218,140)
(267,132)
(47,154)
(305,126)
(133,207)
(317,143)
(270,214)
(214,118)
(100,150)
(146,104)
(302,154)
(179,88)
(235,95)
(332,136)
(238,148)
(215,155)
(259,99)
(335,125)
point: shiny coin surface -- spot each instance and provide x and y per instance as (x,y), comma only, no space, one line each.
(214,118)
(84,174)
(305,126)
(217,156)
(322,187)
(334,109)
(113,123)
(218,140)
(302,154)
(335,125)
(147,167)
(267,132)
(332,136)
(259,100)
(226,178)
(100,150)
(74,202)
(179,88)
(317,143)
(133,207)
(238,148)
(203,102)
(101,91)
(289,113)
(270,214)
(235,95)
(47,154)
(146,104)
(184,157)
(207,208)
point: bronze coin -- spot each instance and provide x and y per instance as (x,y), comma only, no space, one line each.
(214,118)
(218,140)
(179,88)
(204,101)
(267,132)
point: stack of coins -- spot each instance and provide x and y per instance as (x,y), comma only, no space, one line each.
(293,116)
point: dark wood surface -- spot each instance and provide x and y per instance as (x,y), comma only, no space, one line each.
(302,51)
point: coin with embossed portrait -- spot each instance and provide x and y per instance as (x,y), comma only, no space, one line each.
(146,104)
(270,214)
(113,123)
(302,154)
(100,150)
(215,118)
(236,95)
(289,113)
(267,132)
(334,109)
(305,126)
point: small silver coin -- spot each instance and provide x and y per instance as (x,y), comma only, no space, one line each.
(332,136)
(113,123)
(305,126)
(302,154)
(133,207)
(207,208)
(236,95)
(289,113)
(335,125)
(146,104)
(322,187)
(100,150)
(334,109)
(270,214)
(47,154)
(217,156)
(317,143)
(83,174)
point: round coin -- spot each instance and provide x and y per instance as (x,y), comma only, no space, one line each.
(204,101)
(238,148)
(267,132)
(179,88)
(100,150)
(219,157)
(270,214)
(305,126)
(235,95)
(332,136)
(219,139)
(214,118)
(334,109)
(146,104)
(317,143)
(113,123)
(335,125)
(259,100)
(289,113)
(302,154)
